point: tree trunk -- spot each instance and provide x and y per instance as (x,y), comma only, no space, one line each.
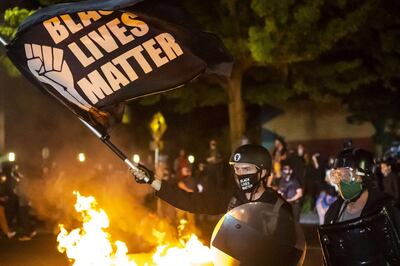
(2,116)
(237,122)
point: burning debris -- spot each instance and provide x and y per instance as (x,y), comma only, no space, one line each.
(189,253)
(92,245)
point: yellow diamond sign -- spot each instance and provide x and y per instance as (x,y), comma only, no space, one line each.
(158,126)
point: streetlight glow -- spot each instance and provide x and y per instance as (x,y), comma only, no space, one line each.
(136,158)
(191,159)
(11,157)
(81,157)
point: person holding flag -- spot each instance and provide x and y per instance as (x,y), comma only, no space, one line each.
(95,55)
(251,165)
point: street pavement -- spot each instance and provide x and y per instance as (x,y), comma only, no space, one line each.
(41,250)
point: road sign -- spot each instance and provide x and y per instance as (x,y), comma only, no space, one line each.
(158,126)
(156,145)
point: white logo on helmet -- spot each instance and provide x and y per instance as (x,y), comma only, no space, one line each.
(237,157)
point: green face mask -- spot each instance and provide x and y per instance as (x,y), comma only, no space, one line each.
(350,190)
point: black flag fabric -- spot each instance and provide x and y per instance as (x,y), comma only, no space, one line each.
(95,55)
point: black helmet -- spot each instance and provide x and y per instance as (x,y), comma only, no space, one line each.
(254,154)
(358,159)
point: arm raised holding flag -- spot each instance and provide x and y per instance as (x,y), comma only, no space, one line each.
(93,56)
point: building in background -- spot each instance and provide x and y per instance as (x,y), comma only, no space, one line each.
(319,126)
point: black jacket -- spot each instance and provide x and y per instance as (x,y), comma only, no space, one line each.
(376,200)
(212,201)
(391,185)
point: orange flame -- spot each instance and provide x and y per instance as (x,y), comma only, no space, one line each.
(91,245)
(191,252)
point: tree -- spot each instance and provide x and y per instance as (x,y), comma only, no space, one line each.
(287,48)
(276,46)
(379,106)
(12,18)
(13,13)
(364,70)
(377,101)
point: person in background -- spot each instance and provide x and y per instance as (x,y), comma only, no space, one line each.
(3,221)
(390,181)
(4,197)
(326,197)
(25,224)
(179,163)
(214,165)
(164,209)
(187,182)
(201,178)
(298,162)
(290,189)
(316,176)
(278,154)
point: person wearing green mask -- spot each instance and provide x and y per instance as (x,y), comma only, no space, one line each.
(354,175)
(360,225)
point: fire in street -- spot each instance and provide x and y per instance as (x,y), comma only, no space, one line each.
(92,245)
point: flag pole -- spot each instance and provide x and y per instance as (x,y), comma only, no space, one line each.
(106,140)
(2,111)
(3,42)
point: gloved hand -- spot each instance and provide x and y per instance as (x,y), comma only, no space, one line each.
(142,175)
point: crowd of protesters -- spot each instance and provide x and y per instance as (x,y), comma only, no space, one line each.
(302,179)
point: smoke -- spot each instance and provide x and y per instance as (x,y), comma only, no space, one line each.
(116,192)
(103,175)
(42,122)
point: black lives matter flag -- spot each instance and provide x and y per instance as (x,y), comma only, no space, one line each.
(95,55)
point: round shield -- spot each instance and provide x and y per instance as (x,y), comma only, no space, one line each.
(370,240)
(258,233)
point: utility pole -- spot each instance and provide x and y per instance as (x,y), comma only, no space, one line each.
(2,121)
(2,109)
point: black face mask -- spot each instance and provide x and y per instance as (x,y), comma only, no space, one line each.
(248,183)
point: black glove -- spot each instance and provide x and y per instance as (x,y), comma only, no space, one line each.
(142,175)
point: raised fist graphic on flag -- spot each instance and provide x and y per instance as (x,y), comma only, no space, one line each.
(48,65)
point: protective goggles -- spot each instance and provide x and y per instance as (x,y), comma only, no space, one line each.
(344,174)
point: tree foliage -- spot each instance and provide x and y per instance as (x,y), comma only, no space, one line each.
(380,107)
(302,38)
(317,49)
(288,48)
(377,97)
(285,48)
(11,20)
